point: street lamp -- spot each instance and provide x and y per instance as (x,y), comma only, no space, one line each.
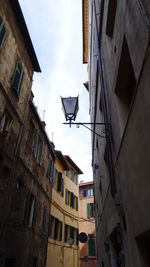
(70,107)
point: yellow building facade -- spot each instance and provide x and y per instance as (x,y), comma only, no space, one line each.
(63,249)
(87,224)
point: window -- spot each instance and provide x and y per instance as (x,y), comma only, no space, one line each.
(2,30)
(60,184)
(50,169)
(72,175)
(126,82)
(76,178)
(76,203)
(31,210)
(39,151)
(84,193)
(71,233)
(87,192)
(90,210)
(38,147)
(112,6)
(58,230)
(51,226)
(72,200)
(17,78)
(68,197)
(5,123)
(67,173)
(91,247)
(66,237)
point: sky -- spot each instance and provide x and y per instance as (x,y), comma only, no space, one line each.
(55,29)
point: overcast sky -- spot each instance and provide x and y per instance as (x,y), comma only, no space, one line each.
(55,28)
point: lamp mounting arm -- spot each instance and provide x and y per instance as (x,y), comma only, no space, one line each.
(107,132)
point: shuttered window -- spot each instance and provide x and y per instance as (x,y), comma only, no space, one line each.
(91,247)
(58,230)
(30,209)
(90,210)
(66,232)
(76,203)
(17,78)
(112,6)
(2,30)
(72,200)
(59,182)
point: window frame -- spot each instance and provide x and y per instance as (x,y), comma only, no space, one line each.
(2,31)
(18,71)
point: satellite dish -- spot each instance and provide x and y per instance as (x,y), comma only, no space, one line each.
(83,237)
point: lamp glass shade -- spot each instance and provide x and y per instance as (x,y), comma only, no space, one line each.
(70,107)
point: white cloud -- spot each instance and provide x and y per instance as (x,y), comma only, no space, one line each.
(56,31)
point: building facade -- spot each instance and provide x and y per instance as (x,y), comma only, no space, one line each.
(87,224)
(63,248)
(116,48)
(25,150)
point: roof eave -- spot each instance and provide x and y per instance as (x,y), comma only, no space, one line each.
(25,34)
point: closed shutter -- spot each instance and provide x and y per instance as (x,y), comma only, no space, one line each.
(91,246)
(88,210)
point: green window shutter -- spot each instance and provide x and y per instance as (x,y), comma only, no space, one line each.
(88,210)
(2,30)
(17,78)
(84,193)
(91,247)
